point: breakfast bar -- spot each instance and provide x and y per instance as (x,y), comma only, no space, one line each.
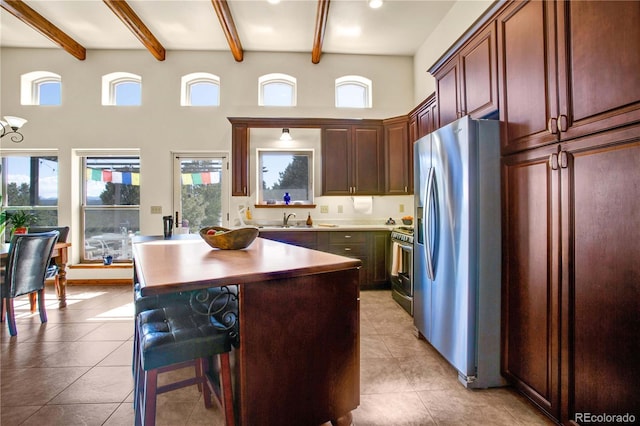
(298,358)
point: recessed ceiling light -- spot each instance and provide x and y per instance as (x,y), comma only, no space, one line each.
(374,4)
(274,1)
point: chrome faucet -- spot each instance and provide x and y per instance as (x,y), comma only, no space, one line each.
(285,218)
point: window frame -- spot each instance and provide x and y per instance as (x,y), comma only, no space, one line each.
(34,189)
(355,80)
(189,80)
(277,78)
(309,152)
(112,80)
(85,207)
(30,84)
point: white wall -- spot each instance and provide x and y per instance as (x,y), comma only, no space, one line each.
(461,16)
(160,125)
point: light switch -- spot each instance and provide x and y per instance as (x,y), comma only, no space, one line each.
(324,209)
(156,209)
(401,208)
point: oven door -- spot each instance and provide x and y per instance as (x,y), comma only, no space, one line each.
(405,270)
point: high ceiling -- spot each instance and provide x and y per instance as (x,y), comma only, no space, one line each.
(399,27)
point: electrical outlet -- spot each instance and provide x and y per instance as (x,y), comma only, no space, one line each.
(340,208)
(156,209)
(401,208)
(324,209)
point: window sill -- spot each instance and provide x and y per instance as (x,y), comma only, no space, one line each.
(284,206)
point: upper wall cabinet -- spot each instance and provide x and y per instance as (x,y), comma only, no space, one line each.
(423,119)
(352,160)
(467,83)
(567,69)
(398,155)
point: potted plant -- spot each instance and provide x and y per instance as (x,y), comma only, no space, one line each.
(20,221)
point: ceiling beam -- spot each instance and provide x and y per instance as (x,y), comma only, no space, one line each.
(128,17)
(321,24)
(39,23)
(226,21)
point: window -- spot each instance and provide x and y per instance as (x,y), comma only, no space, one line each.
(200,89)
(353,91)
(30,182)
(277,90)
(280,172)
(110,206)
(121,89)
(40,88)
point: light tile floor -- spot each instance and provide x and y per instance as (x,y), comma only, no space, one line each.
(76,370)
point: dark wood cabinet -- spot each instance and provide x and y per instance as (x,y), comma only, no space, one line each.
(352,160)
(567,69)
(467,83)
(371,247)
(600,219)
(572,280)
(598,63)
(530,280)
(240,161)
(398,156)
(305,239)
(423,118)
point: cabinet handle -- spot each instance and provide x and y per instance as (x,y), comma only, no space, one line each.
(347,249)
(564,159)
(552,126)
(553,161)
(405,189)
(347,236)
(244,190)
(563,122)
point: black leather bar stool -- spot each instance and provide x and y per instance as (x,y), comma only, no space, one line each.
(176,335)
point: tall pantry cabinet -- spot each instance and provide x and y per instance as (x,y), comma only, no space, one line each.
(569,90)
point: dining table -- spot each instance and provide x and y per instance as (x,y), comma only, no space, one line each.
(60,256)
(297,361)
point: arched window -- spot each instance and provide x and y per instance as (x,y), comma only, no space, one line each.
(353,91)
(200,89)
(121,89)
(277,90)
(40,88)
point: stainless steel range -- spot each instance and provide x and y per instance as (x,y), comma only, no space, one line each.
(402,267)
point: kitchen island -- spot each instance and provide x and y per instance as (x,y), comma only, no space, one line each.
(298,358)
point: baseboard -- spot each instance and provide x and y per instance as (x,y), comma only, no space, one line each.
(110,281)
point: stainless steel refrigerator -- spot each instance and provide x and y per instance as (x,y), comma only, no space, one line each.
(457,242)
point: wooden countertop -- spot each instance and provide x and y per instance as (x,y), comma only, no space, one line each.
(181,265)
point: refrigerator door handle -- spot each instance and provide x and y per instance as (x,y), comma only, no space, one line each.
(427,224)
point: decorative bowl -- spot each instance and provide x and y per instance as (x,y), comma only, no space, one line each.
(229,239)
(407,221)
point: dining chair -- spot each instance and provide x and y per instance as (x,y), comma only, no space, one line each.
(27,263)
(52,270)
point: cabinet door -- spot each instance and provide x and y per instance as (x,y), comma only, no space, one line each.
(427,118)
(336,161)
(599,68)
(240,161)
(530,287)
(603,275)
(478,78)
(380,259)
(397,162)
(447,87)
(526,75)
(297,238)
(368,167)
